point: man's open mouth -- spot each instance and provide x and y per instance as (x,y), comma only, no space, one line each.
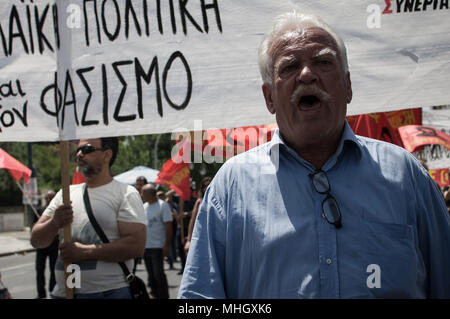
(308,102)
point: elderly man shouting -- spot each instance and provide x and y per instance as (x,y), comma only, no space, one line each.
(317,212)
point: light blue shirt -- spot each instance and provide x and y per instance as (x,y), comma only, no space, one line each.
(158,213)
(260,231)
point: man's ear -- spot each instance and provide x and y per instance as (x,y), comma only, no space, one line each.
(267,91)
(349,92)
(108,155)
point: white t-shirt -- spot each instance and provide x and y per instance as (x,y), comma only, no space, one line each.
(110,203)
(157,213)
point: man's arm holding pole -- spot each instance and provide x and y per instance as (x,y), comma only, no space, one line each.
(46,228)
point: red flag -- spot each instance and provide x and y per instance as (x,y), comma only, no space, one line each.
(238,140)
(78,178)
(15,168)
(224,143)
(384,125)
(416,136)
(440,176)
(175,173)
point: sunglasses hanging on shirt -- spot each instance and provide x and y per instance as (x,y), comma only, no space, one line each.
(330,208)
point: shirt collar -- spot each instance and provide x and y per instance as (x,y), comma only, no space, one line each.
(347,138)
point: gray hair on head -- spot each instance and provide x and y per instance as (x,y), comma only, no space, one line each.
(285,23)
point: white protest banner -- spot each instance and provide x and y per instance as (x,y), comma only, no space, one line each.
(90,68)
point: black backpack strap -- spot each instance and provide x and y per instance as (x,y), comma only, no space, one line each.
(87,203)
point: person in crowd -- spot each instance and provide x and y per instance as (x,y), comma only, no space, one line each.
(183,221)
(446,194)
(317,212)
(50,252)
(161,195)
(172,258)
(204,184)
(140,182)
(159,237)
(119,212)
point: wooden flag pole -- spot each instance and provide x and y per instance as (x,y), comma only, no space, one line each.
(65,182)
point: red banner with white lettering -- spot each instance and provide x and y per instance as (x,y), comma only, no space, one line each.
(440,176)
(414,137)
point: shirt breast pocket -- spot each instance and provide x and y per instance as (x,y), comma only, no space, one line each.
(388,259)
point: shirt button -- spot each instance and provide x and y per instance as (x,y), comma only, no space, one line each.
(328,261)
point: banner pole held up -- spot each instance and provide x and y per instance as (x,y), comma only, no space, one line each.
(65,182)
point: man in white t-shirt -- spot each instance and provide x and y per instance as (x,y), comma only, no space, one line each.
(118,210)
(159,237)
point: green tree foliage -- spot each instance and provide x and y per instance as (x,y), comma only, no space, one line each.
(47,164)
(133,152)
(140,151)
(9,192)
(161,144)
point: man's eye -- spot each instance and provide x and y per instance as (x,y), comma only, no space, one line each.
(287,68)
(324,62)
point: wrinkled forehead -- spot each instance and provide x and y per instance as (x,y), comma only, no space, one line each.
(301,36)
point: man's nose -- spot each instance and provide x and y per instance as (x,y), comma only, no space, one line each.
(306,75)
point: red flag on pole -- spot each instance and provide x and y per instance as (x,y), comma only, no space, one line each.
(15,168)
(175,173)
(177,177)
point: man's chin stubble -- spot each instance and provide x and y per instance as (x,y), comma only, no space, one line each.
(87,172)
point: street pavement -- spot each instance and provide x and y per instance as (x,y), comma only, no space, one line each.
(17,267)
(17,242)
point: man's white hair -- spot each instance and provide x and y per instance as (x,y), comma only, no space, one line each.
(287,22)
